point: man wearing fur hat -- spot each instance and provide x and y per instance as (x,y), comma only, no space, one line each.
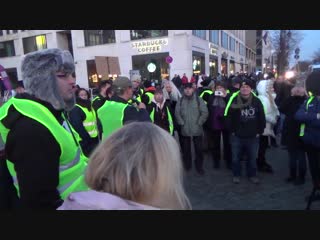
(245,120)
(309,116)
(43,154)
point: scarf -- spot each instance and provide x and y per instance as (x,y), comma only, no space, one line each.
(240,104)
(219,102)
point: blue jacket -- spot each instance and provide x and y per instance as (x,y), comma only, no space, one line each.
(308,116)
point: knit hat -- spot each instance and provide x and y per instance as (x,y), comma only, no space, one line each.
(122,82)
(136,78)
(246,81)
(313,83)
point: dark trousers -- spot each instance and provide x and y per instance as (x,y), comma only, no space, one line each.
(8,194)
(216,138)
(263,145)
(186,152)
(314,164)
(297,161)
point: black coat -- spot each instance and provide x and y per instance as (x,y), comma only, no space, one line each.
(35,154)
(76,117)
(291,127)
(161,117)
(247,122)
(131,114)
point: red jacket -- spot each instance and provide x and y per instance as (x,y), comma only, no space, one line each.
(184,80)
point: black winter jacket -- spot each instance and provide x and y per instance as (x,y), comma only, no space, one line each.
(35,154)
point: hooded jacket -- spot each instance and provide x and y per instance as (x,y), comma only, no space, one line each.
(271,109)
(93,200)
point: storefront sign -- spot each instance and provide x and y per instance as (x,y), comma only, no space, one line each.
(213,49)
(150,46)
(169,59)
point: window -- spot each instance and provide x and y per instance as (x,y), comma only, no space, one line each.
(35,43)
(232,43)
(199,33)
(1,33)
(98,37)
(14,31)
(214,36)
(141,34)
(7,49)
(259,62)
(242,50)
(259,51)
(224,40)
(8,31)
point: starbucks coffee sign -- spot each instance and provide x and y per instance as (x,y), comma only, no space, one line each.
(150,46)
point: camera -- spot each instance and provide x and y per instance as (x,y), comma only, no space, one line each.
(218,93)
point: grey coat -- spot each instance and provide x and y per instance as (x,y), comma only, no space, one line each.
(191,116)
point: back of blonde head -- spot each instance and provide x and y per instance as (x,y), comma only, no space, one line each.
(140,162)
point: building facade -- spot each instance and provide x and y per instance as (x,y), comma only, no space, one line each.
(155,54)
(250,50)
(260,41)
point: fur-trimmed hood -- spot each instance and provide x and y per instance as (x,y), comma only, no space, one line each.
(38,72)
(264,87)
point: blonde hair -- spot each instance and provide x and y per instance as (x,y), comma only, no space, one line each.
(175,94)
(140,162)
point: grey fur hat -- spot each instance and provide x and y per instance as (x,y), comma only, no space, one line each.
(38,72)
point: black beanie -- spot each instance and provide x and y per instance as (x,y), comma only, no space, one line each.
(247,81)
(313,83)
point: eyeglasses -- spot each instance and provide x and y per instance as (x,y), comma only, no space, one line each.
(65,75)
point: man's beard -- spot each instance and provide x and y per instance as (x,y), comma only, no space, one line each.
(69,104)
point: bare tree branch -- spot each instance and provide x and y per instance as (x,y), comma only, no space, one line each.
(284,43)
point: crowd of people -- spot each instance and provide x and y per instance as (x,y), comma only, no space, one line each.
(127,148)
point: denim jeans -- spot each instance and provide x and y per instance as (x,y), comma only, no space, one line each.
(250,146)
